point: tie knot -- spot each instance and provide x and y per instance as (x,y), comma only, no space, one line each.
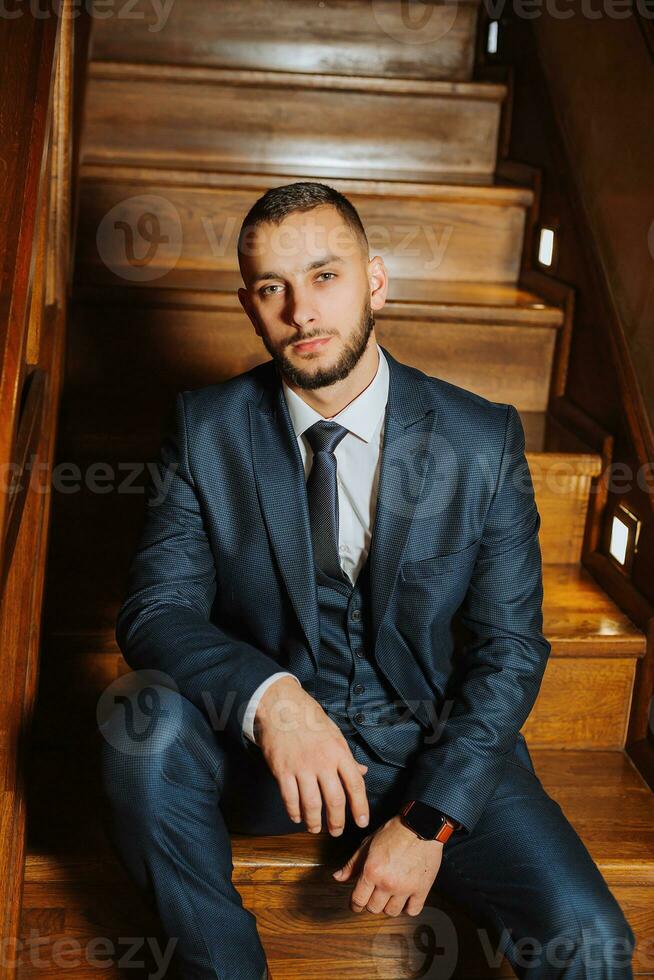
(325,436)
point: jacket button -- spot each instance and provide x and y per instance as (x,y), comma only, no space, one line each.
(356,615)
(359,717)
(359,688)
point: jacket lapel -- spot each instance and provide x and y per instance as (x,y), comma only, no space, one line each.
(279,474)
(406,454)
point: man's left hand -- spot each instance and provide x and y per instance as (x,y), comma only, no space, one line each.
(395,868)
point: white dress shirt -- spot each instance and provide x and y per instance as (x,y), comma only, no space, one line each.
(358,459)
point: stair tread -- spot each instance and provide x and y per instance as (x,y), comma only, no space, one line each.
(577,612)
(580,618)
(476,302)
(565,465)
(233,111)
(319,171)
(421,184)
(272,78)
(590,785)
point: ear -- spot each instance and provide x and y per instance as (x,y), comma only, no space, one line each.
(378,279)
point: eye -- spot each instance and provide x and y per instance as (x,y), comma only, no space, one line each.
(264,291)
(333,274)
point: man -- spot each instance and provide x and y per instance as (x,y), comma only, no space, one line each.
(331,519)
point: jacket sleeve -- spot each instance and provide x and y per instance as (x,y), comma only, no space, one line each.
(506,659)
(164,621)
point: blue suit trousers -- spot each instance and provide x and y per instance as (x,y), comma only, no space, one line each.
(175,795)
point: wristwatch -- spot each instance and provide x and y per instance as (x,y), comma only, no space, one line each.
(428,822)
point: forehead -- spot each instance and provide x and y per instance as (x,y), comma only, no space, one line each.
(298,240)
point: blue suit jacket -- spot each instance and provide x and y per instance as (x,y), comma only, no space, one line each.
(222,589)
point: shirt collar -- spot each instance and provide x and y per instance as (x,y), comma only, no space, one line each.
(361,416)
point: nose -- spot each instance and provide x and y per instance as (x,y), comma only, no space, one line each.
(301,309)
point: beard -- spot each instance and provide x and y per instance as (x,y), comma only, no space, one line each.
(350,356)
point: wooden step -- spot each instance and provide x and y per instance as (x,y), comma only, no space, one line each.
(491,338)
(583,701)
(423,231)
(201,118)
(562,483)
(87,522)
(76,888)
(354,38)
(132,429)
(585,695)
(501,303)
(581,620)
(130,434)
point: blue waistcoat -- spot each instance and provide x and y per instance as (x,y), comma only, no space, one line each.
(349,685)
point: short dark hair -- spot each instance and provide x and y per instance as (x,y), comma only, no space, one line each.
(303,195)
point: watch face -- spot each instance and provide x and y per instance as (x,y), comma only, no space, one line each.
(425,820)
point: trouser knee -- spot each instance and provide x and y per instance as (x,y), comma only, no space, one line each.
(610,938)
(145,729)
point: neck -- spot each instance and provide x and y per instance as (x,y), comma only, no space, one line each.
(332,399)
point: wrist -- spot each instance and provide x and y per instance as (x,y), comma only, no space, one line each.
(280,689)
(428,822)
(410,833)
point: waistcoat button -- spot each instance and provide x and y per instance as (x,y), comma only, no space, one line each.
(359,717)
(356,615)
(359,688)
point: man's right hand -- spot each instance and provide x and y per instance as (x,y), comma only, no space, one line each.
(310,758)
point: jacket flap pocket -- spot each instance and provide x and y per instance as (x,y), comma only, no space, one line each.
(413,571)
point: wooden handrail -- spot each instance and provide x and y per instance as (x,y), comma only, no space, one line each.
(36,87)
(26,450)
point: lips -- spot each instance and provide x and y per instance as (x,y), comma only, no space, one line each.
(309,345)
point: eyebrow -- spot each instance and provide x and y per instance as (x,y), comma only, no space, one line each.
(316,264)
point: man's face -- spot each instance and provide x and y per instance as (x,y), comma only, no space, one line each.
(310,293)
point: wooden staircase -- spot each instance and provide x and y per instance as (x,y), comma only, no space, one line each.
(192,123)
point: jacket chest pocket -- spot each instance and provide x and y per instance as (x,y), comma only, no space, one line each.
(458,562)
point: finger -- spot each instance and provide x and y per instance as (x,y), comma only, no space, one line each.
(355,788)
(395,905)
(334,800)
(310,801)
(290,794)
(415,904)
(346,870)
(361,893)
(378,900)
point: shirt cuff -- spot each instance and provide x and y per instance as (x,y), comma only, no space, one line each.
(253,703)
